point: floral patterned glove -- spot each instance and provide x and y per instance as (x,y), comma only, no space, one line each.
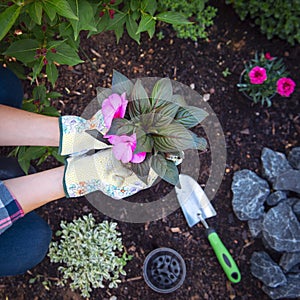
(73,136)
(102,171)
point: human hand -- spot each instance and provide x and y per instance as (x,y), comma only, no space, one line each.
(102,171)
(74,136)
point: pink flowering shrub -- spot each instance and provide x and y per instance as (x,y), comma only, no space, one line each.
(263,77)
(148,126)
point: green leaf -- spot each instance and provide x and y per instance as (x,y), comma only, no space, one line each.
(190,116)
(54,95)
(162,90)
(120,126)
(35,11)
(62,7)
(151,31)
(140,103)
(166,111)
(8,18)
(144,141)
(39,93)
(178,99)
(58,157)
(150,121)
(102,23)
(37,68)
(132,28)
(23,50)
(173,18)
(52,73)
(134,5)
(165,169)
(50,10)
(174,137)
(142,169)
(85,13)
(149,6)
(147,23)
(55,43)
(65,55)
(121,84)
(117,22)
(119,32)
(50,111)
(29,106)
(28,154)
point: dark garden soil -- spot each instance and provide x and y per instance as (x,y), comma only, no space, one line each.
(247,129)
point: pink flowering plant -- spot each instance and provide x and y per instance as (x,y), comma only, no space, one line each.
(263,77)
(149,128)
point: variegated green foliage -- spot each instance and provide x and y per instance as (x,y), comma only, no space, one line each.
(91,254)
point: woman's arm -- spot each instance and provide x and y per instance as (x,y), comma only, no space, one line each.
(22,128)
(35,190)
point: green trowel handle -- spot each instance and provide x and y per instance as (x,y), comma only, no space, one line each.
(225,259)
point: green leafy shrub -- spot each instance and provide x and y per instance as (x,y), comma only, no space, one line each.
(91,254)
(194,10)
(45,34)
(275,18)
(39,103)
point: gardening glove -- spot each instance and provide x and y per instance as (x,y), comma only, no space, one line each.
(74,138)
(102,171)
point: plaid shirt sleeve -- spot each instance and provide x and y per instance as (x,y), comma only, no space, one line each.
(10,209)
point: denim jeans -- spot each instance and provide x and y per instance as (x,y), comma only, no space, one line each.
(26,242)
(11,90)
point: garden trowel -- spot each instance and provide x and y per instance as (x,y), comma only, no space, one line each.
(196,208)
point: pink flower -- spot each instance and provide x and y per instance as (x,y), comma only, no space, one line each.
(258,75)
(268,56)
(285,86)
(124,147)
(113,107)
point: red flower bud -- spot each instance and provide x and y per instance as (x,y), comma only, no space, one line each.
(44,28)
(111,13)
(53,50)
(44,51)
(101,14)
(45,61)
(268,56)
(112,2)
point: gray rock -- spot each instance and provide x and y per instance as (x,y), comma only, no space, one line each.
(289,291)
(289,260)
(266,270)
(281,229)
(273,164)
(276,197)
(292,201)
(294,158)
(289,181)
(296,209)
(255,227)
(249,194)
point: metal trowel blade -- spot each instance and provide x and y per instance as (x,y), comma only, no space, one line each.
(193,200)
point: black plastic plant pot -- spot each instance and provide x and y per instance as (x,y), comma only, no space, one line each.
(164,270)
